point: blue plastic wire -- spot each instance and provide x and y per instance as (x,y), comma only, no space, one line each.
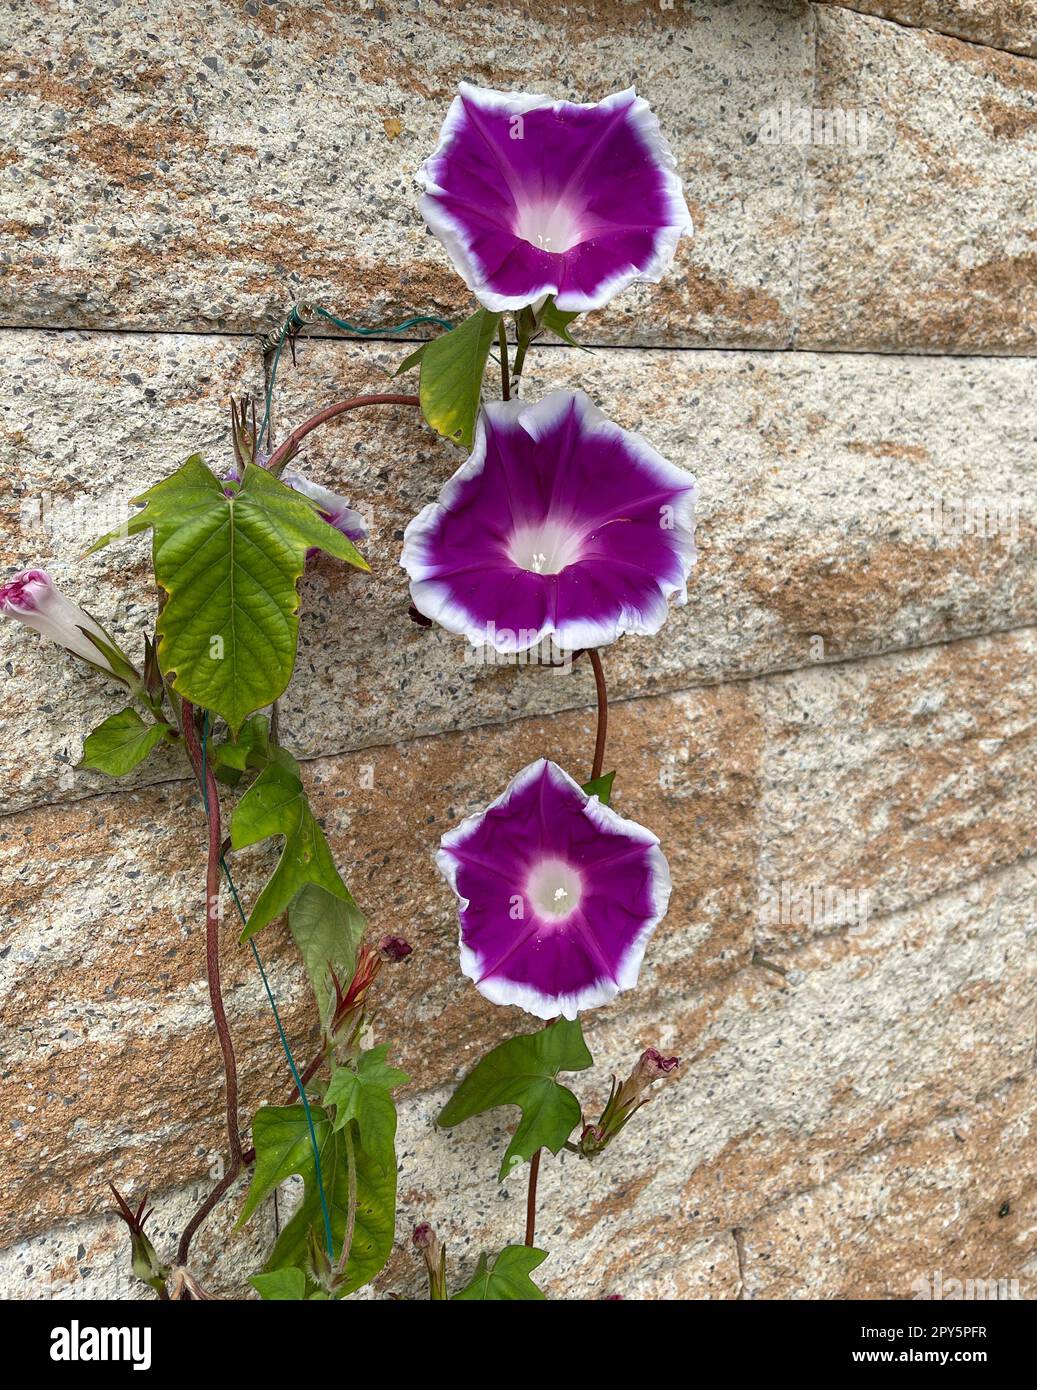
(295,320)
(328,1239)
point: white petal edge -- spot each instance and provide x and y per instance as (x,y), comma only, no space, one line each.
(455,238)
(432,596)
(502,991)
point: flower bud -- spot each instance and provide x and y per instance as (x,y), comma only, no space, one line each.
(424,1237)
(624,1101)
(653,1066)
(34,599)
(394,948)
(592,1140)
(153,685)
(146,1264)
(350,999)
(427,1243)
(245,438)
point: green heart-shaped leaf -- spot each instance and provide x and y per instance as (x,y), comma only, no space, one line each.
(522,1072)
(327,930)
(506,1279)
(452,368)
(282,1141)
(365,1095)
(230,566)
(120,743)
(276,804)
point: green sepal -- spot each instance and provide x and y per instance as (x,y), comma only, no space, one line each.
(557,322)
(601,787)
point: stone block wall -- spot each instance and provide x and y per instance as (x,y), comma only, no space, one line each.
(844,355)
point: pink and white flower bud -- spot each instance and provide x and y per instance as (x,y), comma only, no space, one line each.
(333,508)
(433,1252)
(34,599)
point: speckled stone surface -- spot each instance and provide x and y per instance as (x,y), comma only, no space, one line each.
(955,1202)
(786,1081)
(90,1258)
(925,240)
(846,702)
(895,779)
(206,164)
(789,1080)
(1009,24)
(103,953)
(818,538)
(88,421)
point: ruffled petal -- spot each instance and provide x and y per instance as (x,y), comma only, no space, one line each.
(558,895)
(532,197)
(560,524)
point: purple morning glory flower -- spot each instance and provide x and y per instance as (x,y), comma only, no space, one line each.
(532,197)
(559,523)
(558,895)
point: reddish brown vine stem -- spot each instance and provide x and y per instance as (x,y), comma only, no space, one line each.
(531,1197)
(603,715)
(210,793)
(238,1157)
(283,451)
(596,770)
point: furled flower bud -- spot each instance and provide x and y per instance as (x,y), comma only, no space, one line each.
(153,685)
(423,1237)
(653,1066)
(34,599)
(592,1140)
(146,1264)
(349,1001)
(245,436)
(625,1100)
(427,1243)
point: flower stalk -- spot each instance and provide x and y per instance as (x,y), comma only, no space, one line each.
(286,451)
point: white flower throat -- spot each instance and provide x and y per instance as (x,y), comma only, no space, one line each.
(554,889)
(545,549)
(549,226)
